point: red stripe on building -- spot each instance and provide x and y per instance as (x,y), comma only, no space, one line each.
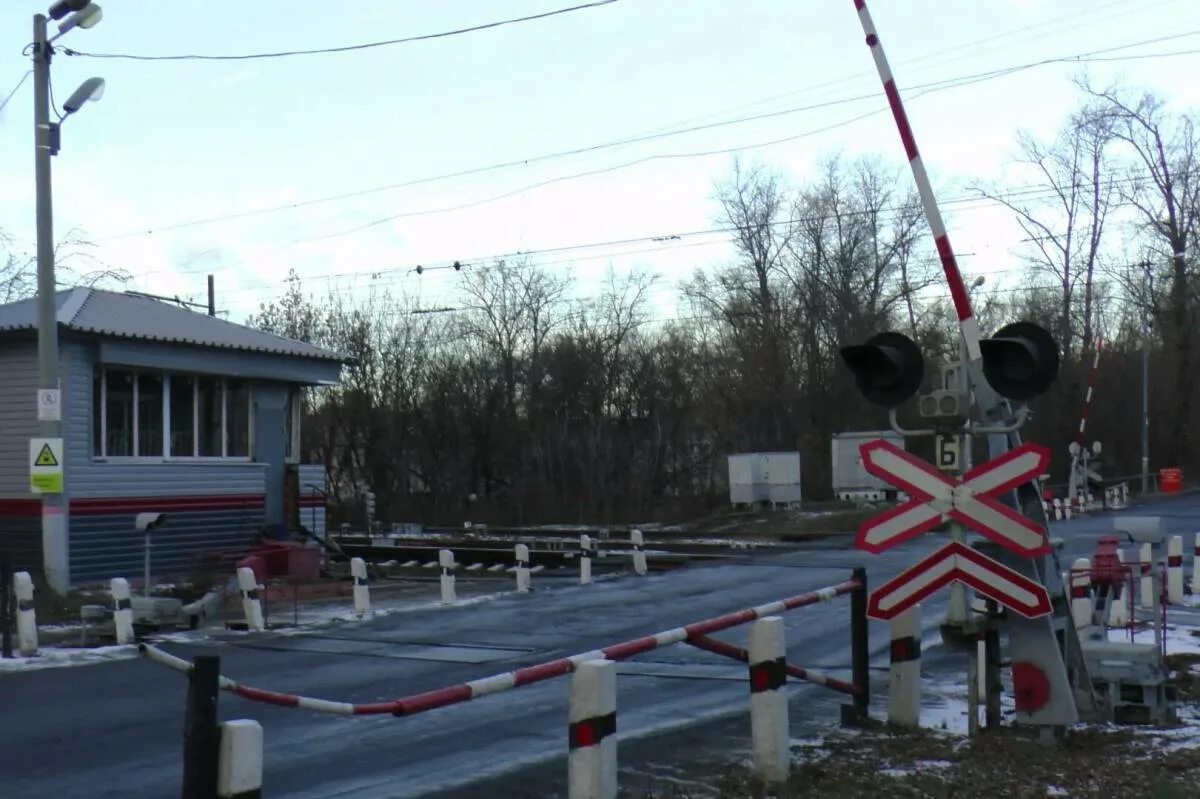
(20,507)
(103,506)
(312,502)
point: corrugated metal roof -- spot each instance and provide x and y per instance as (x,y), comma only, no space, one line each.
(110,313)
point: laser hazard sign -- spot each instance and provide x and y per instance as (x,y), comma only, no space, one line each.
(45,465)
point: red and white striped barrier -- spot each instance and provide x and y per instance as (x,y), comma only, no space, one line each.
(27,634)
(1175,570)
(465,692)
(768,702)
(967,324)
(592,732)
(122,610)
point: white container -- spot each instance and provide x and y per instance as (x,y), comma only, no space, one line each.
(850,477)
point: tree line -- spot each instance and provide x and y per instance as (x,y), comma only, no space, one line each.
(527,403)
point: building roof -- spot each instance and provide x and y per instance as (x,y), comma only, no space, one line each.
(134,316)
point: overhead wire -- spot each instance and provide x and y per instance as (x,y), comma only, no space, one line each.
(15,89)
(344,48)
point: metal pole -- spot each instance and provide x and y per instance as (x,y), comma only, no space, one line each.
(54,544)
(201,735)
(992,710)
(860,649)
(1146,283)
(212,297)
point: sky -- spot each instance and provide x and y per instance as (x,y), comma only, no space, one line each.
(352,148)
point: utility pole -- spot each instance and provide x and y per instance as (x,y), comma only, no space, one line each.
(54,543)
(212,297)
(1147,286)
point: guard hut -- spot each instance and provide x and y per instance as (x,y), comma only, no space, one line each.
(163,409)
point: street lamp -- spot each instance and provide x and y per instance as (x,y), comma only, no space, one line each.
(83,14)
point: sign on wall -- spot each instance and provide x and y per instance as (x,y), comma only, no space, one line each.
(45,465)
(49,405)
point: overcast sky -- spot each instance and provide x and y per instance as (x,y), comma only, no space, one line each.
(176,142)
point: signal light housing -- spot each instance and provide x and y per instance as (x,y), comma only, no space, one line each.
(1020,361)
(888,368)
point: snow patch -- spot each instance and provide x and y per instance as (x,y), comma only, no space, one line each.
(57,658)
(1054,790)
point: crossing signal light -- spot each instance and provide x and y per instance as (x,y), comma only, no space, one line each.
(1020,361)
(888,368)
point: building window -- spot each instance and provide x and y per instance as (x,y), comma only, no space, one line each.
(152,414)
(182,411)
(237,419)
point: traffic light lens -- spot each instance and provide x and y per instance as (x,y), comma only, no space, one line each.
(888,368)
(1020,361)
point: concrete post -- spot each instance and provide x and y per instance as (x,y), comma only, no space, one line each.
(585,560)
(591,736)
(904,685)
(27,635)
(639,557)
(1058,509)
(1196,565)
(240,763)
(446,561)
(1175,570)
(1081,593)
(251,605)
(1147,586)
(768,701)
(522,552)
(122,610)
(362,589)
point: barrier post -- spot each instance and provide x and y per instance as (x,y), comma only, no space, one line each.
(446,561)
(240,760)
(591,736)
(639,557)
(522,552)
(860,652)
(251,606)
(1118,611)
(904,674)
(768,701)
(27,635)
(1175,570)
(1081,599)
(585,559)
(993,688)
(6,649)
(201,735)
(362,589)
(1147,597)
(122,610)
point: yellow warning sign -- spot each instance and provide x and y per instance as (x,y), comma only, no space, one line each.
(45,465)
(45,457)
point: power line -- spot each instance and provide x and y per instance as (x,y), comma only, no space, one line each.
(344,48)
(922,88)
(20,83)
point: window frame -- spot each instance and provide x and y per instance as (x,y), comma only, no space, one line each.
(168,388)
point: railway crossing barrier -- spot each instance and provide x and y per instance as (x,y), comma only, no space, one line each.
(592,769)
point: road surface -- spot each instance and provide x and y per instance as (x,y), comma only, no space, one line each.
(115,729)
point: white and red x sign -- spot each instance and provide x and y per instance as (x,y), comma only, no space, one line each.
(936,497)
(956,562)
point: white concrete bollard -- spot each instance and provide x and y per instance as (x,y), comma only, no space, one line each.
(362,589)
(1081,593)
(240,760)
(1147,586)
(1175,570)
(585,560)
(122,610)
(27,635)
(1067,510)
(1124,493)
(1196,565)
(1118,607)
(1058,509)
(251,605)
(522,552)
(591,736)
(639,557)
(768,701)
(446,561)
(904,681)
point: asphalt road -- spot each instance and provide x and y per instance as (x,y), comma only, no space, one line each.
(115,729)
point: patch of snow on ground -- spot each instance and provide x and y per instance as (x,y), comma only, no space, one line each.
(1180,639)
(57,658)
(1054,790)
